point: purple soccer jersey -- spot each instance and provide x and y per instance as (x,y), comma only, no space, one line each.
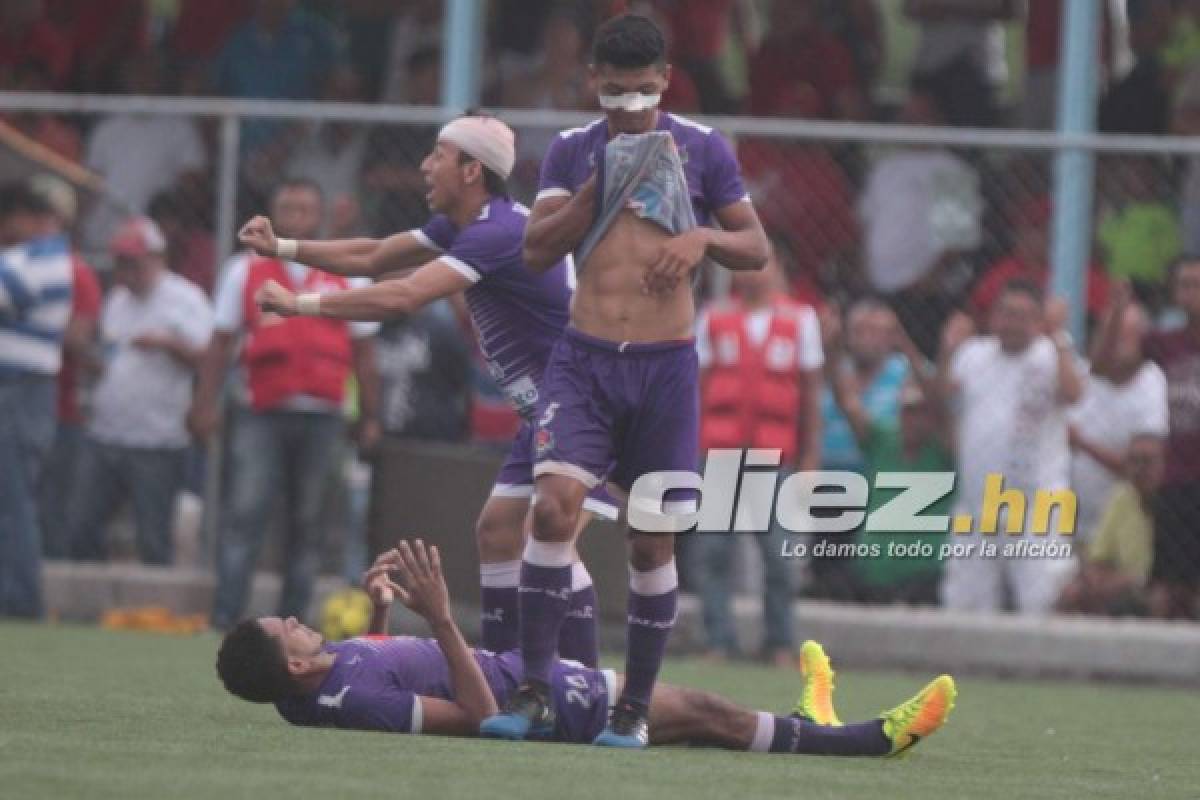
(376,683)
(709,164)
(518,314)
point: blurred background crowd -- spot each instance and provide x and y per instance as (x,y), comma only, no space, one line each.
(895,248)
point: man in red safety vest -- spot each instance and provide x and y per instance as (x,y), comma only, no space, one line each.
(288,423)
(761,359)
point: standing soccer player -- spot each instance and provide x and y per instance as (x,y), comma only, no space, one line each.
(620,396)
(473,245)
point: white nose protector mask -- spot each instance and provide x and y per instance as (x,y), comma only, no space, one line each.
(629,101)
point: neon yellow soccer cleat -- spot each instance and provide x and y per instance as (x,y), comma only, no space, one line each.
(915,719)
(816,699)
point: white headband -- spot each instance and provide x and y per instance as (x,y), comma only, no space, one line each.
(630,101)
(484,138)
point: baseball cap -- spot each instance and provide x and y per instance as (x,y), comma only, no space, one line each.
(138,237)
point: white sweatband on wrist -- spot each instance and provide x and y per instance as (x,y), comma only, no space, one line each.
(287,249)
(308,304)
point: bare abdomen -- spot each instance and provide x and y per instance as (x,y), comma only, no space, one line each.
(610,302)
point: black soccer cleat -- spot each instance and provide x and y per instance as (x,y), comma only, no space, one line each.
(527,714)
(628,727)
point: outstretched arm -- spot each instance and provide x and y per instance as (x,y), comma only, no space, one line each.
(382,301)
(350,257)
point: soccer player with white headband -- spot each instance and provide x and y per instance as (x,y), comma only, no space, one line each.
(472,244)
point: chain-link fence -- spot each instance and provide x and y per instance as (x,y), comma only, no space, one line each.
(926,252)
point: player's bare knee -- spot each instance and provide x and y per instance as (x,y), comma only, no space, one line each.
(649,551)
(554,518)
(498,536)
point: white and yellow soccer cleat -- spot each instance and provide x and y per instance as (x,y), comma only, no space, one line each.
(816,698)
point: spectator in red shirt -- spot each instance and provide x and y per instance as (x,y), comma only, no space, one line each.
(799,54)
(25,34)
(1030,261)
(58,474)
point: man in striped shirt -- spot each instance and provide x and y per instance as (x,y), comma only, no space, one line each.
(35,304)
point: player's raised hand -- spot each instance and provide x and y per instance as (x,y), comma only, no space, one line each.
(679,255)
(425,591)
(275,299)
(377,581)
(259,236)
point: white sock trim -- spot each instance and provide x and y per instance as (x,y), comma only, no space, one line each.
(659,580)
(580,577)
(500,575)
(763,733)
(549,554)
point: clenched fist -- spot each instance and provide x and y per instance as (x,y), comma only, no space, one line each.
(259,236)
(273,298)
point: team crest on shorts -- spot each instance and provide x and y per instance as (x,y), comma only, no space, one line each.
(543,441)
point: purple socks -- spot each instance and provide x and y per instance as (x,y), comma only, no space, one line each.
(499,615)
(544,599)
(795,735)
(577,637)
(653,597)
(498,600)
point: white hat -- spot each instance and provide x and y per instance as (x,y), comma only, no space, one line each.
(484,138)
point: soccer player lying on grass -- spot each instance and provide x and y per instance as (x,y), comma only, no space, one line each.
(405,684)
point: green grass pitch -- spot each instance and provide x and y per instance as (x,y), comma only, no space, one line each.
(96,714)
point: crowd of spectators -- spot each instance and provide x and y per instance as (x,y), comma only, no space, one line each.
(898,246)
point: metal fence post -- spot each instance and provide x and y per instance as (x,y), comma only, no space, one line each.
(226,220)
(1073,165)
(461,50)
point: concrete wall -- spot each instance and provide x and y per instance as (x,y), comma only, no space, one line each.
(928,640)
(435,491)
